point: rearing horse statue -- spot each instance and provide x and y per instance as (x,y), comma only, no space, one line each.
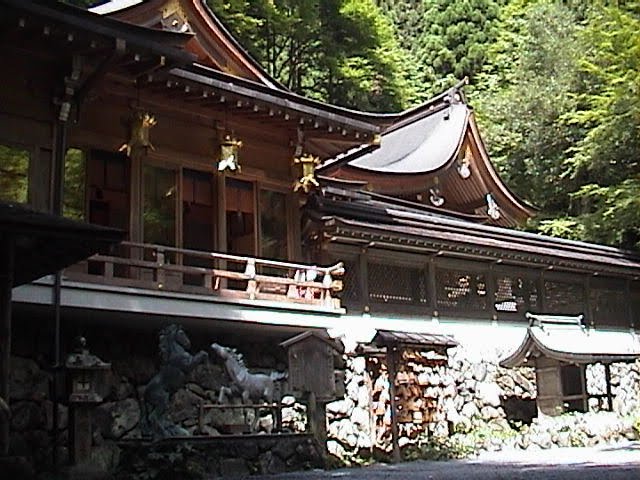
(176,363)
(252,386)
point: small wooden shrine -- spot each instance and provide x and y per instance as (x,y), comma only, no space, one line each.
(560,347)
(404,402)
(316,375)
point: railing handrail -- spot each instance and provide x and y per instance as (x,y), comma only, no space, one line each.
(333,269)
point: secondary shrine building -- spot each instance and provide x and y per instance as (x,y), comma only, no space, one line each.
(252,214)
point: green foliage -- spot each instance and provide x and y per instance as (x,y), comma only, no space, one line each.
(607,157)
(74,181)
(556,86)
(559,103)
(523,95)
(455,40)
(446,41)
(14,171)
(340,51)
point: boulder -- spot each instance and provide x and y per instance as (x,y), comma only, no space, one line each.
(270,464)
(105,458)
(358,365)
(233,467)
(138,369)
(340,408)
(184,404)
(27,381)
(490,413)
(208,376)
(488,393)
(115,419)
(479,372)
(27,416)
(470,410)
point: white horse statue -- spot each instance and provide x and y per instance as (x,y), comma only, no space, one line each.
(252,386)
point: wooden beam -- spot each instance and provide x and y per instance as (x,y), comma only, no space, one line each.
(607,377)
(392,365)
(6,284)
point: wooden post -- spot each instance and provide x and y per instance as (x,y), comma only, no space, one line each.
(607,377)
(6,284)
(392,358)
(317,421)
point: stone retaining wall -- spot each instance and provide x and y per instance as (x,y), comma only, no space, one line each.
(482,406)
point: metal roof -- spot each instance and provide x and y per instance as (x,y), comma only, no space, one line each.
(320,335)
(420,147)
(566,339)
(386,220)
(423,340)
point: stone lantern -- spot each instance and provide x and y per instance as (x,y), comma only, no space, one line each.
(86,374)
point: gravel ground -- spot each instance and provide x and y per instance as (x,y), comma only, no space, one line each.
(620,462)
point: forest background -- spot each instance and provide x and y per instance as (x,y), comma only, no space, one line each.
(555,86)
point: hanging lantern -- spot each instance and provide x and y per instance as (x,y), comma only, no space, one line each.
(464,165)
(307,181)
(141,124)
(492,208)
(229,154)
(464,169)
(436,199)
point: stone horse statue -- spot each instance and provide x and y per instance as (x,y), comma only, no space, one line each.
(251,386)
(176,363)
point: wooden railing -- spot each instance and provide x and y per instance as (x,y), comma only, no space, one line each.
(246,426)
(160,267)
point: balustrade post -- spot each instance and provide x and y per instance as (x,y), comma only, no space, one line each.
(250,271)
(108,269)
(327,281)
(160,268)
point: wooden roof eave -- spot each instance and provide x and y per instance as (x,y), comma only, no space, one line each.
(214,40)
(532,347)
(235,50)
(391,183)
(140,38)
(521,210)
(389,122)
(437,221)
(339,117)
(459,244)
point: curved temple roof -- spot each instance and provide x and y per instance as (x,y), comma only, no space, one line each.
(214,44)
(567,340)
(423,148)
(420,147)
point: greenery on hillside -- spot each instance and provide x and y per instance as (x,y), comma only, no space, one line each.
(555,84)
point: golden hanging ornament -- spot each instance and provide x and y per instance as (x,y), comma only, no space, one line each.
(141,124)
(307,181)
(229,154)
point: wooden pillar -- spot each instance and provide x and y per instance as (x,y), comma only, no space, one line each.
(392,364)
(6,284)
(317,421)
(607,377)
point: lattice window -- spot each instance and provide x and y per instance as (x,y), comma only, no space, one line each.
(515,294)
(351,282)
(396,284)
(607,301)
(564,297)
(461,290)
(635,304)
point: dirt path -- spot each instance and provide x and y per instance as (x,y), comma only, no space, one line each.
(621,462)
